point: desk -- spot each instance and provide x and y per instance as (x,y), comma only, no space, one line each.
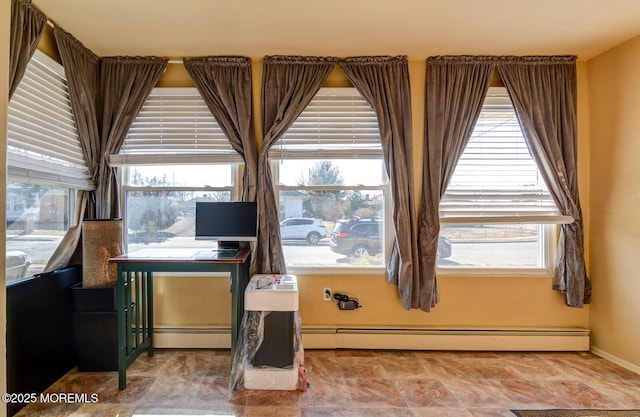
(134,293)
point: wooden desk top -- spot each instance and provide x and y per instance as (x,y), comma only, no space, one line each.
(183,256)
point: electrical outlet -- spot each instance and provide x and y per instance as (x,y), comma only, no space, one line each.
(326,294)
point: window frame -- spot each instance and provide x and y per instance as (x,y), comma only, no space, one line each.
(547,231)
(361,152)
(233,189)
(176,123)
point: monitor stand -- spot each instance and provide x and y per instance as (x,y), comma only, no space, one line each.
(229,247)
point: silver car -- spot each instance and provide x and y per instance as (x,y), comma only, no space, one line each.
(303,228)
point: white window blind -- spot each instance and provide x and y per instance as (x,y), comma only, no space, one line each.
(175,126)
(43,144)
(496,179)
(337,123)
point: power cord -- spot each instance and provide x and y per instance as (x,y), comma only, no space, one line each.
(344,302)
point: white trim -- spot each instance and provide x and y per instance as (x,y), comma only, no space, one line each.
(612,358)
(338,270)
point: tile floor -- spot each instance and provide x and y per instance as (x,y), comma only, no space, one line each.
(354,383)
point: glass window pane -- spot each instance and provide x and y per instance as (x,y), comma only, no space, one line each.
(165,219)
(509,246)
(181,175)
(366,172)
(37,219)
(332,228)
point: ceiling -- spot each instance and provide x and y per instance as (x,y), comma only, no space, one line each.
(340,28)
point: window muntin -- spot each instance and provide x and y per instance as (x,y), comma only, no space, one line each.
(328,166)
(497,211)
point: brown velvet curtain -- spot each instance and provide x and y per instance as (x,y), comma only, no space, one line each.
(225,84)
(543,91)
(288,85)
(125,84)
(82,68)
(384,82)
(27,27)
(106,96)
(455,90)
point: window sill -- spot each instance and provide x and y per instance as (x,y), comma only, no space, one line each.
(494,272)
(326,270)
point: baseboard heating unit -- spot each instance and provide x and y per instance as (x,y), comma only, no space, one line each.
(429,338)
(409,338)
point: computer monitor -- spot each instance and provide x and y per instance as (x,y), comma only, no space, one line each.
(232,224)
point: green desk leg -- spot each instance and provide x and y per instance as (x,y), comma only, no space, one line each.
(149,279)
(122,366)
(239,281)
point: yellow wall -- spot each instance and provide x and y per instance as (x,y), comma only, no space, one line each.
(465,301)
(614,105)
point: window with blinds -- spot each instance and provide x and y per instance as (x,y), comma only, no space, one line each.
(337,123)
(43,144)
(496,180)
(175,126)
(329,173)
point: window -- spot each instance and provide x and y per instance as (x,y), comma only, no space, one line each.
(330,177)
(45,167)
(497,213)
(174,155)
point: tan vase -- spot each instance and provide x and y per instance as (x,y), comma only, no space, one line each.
(101,240)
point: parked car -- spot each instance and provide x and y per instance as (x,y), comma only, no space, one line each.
(17,265)
(303,228)
(361,237)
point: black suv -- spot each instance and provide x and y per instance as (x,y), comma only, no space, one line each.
(357,237)
(360,237)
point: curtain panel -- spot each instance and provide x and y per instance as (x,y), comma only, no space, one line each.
(384,82)
(82,68)
(125,84)
(543,91)
(106,95)
(225,84)
(454,93)
(68,247)
(27,27)
(288,85)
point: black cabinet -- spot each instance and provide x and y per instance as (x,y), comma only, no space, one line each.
(95,321)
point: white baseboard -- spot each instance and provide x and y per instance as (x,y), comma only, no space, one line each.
(415,338)
(612,358)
